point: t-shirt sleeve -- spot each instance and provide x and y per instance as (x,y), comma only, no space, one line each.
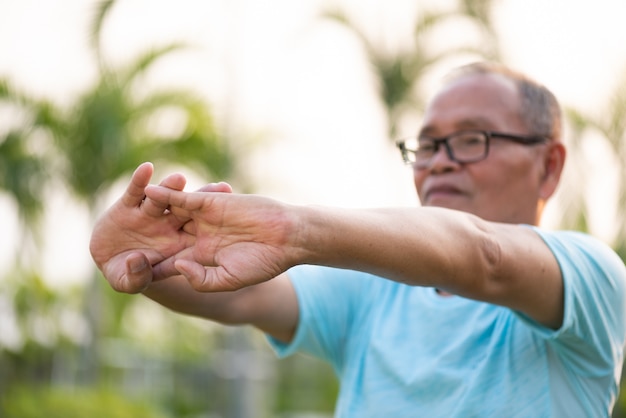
(591,337)
(330,301)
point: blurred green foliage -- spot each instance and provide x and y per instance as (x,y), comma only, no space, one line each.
(400,73)
(38,402)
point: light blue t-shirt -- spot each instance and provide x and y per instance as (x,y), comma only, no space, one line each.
(405,351)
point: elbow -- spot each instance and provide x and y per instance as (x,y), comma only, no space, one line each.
(489,283)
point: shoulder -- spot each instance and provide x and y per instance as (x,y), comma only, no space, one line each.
(582,251)
(594,280)
(591,270)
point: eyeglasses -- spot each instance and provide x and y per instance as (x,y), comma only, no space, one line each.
(463,147)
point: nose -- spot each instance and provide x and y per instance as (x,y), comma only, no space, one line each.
(441,161)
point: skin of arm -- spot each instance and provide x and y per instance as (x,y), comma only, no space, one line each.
(245,240)
(270,306)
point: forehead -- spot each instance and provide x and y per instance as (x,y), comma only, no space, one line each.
(475,101)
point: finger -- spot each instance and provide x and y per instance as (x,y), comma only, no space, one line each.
(207,279)
(167,268)
(138,273)
(220,187)
(134,194)
(183,215)
(190,227)
(198,276)
(177,199)
(130,273)
(154,208)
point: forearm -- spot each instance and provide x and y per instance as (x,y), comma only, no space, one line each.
(270,306)
(176,293)
(423,246)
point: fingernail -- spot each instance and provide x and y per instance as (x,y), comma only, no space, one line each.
(137,266)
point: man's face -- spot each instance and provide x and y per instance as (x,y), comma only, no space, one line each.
(504,187)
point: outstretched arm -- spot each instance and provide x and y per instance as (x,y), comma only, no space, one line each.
(246,240)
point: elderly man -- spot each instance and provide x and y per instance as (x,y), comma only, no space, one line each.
(461,307)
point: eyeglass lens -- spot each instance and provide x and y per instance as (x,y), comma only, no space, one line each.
(461,147)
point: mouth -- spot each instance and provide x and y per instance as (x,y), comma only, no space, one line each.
(441,192)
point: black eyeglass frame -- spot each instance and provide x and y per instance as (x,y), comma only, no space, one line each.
(517,138)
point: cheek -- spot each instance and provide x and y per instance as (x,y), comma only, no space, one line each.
(507,182)
(492,183)
(418,180)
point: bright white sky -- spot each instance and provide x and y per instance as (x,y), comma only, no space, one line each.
(271,67)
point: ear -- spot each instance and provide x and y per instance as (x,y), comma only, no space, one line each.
(553,162)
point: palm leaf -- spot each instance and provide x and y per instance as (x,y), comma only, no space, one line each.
(399,73)
(22,175)
(144,61)
(102,10)
(480,11)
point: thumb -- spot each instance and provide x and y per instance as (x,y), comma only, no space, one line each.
(138,275)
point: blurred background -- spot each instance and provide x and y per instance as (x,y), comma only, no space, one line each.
(298,100)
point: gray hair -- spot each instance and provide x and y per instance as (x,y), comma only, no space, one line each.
(539,109)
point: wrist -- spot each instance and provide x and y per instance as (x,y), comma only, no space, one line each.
(315,235)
